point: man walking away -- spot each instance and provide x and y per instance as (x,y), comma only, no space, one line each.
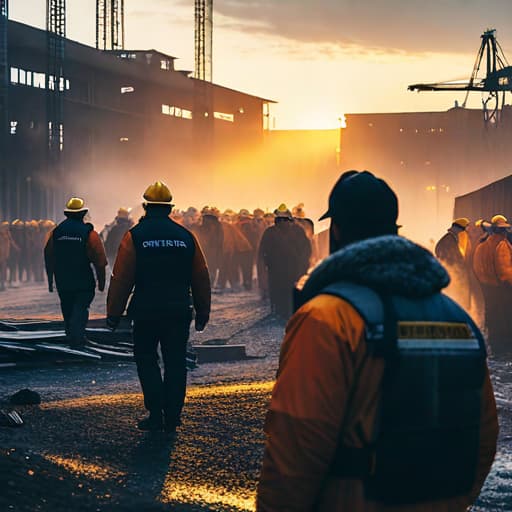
(165,266)
(383,401)
(69,252)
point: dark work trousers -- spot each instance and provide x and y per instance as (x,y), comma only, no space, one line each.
(75,310)
(167,394)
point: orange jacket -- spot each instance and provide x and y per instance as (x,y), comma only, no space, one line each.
(492,260)
(323,350)
(123,279)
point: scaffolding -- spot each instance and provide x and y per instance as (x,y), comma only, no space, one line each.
(4,70)
(55,91)
(203,37)
(110,24)
(4,116)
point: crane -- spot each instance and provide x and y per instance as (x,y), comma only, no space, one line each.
(494,85)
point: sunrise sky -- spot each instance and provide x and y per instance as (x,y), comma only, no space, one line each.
(318,58)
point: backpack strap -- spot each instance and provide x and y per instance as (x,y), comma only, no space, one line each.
(381,337)
(367,302)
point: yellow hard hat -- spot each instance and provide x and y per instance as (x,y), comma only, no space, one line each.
(213,212)
(282,211)
(500,221)
(463,222)
(298,211)
(124,213)
(75,205)
(478,222)
(158,193)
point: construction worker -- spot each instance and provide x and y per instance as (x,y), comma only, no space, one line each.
(383,400)
(250,231)
(71,249)
(454,251)
(236,249)
(18,259)
(165,266)
(122,223)
(285,251)
(259,227)
(492,265)
(5,249)
(211,237)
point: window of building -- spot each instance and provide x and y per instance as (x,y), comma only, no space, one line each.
(39,80)
(127,89)
(14,127)
(171,110)
(14,75)
(165,64)
(224,117)
(61,137)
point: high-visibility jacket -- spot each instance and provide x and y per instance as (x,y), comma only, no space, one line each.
(69,252)
(162,262)
(492,260)
(323,356)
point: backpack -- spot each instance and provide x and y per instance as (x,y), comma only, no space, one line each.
(427,432)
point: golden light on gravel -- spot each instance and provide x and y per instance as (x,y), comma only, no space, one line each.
(229,389)
(95,400)
(192,392)
(83,468)
(207,495)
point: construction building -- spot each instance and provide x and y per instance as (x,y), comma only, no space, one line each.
(430,158)
(122,114)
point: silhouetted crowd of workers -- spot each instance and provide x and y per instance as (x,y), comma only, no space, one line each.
(21,251)
(269,250)
(478,257)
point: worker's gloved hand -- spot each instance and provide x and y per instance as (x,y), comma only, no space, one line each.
(200,323)
(113,322)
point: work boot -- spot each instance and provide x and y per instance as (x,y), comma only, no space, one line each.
(170,424)
(77,344)
(154,421)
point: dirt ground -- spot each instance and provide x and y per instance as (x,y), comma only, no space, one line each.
(80,451)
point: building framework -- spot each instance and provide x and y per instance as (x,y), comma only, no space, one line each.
(110,24)
(4,97)
(203,17)
(120,114)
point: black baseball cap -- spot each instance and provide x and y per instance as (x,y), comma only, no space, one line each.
(360,197)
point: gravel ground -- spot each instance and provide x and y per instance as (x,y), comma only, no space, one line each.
(80,450)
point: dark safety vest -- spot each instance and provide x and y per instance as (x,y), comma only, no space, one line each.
(427,435)
(163,274)
(73,270)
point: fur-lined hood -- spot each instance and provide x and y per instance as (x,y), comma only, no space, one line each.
(388,264)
